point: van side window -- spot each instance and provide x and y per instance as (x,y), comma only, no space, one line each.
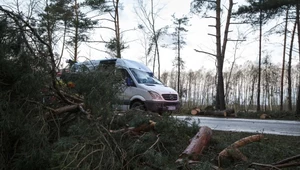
(126,77)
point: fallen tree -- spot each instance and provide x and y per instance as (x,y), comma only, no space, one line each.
(146,127)
(218,113)
(198,143)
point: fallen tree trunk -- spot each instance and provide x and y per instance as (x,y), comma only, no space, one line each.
(233,152)
(218,113)
(195,111)
(198,143)
(146,127)
(64,109)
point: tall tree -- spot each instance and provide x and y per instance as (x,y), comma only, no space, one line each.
(75,24)
(147,15)
(283,59)
(179,42)
(298,26)
(197,6)
(115,45)
(269,9)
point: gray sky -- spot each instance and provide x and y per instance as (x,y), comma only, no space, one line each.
(197,37)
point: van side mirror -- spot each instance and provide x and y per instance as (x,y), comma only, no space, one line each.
(129,81)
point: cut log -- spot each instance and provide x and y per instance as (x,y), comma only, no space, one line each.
(198,143)
(233,152)
(264,116)
(221,113)
(143,128)
(195,111)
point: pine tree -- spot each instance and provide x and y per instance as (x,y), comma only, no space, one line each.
(179,42)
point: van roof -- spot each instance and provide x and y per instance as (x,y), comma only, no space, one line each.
(125,63)
(132,64)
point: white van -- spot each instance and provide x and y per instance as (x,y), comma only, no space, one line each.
(143,90)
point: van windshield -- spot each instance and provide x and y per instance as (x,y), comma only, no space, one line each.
(143,77)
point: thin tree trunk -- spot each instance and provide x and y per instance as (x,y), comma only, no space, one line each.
(158,59)
(155,41)
(117,28)
(259,58)
(178,62)
(298,22)
(220,101)
(283,60)
(76,38)
(154,58)
(290,69)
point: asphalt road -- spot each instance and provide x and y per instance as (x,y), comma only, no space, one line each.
(276,127)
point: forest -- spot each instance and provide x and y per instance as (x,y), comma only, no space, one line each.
(45,124)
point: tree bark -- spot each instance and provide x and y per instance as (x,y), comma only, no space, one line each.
(117,28)
(76,38)
(220,99)
(198,143)
(283,60)
(178,61)
(232,151)
(259,57)
(298,21)
(146,127)
(289,76)
(64,109)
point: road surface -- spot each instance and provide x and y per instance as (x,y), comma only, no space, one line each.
(276,127)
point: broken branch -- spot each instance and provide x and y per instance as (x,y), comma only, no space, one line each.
(232,151)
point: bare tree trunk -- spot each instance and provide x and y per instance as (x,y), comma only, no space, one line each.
(154,58)
(290,69)
(220,104)
(283,60)
(155,40)
(178,62)
(230,72)
(76,31)
(221,53)
(158,59)
(252,91)
(117,28)
(259,58)
(298,22)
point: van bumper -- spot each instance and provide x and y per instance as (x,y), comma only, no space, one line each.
(161,106)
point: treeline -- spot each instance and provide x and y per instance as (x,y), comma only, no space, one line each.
(199,87)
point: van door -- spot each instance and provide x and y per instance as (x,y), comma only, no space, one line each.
(126,88)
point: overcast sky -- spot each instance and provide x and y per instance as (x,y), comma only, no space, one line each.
(197,38)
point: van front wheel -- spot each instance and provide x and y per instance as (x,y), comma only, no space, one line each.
(137,105)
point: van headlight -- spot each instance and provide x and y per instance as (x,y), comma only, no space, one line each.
(155,95)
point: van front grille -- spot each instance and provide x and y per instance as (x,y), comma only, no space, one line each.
(169,96)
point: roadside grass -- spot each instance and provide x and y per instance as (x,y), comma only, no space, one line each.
(175,136)
(271,149)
